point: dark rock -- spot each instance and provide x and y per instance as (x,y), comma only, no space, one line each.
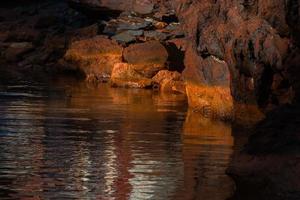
(108,7)
(128,36)
(24,34)
(155,35)
(269,164)
(47,21)
(16,50)
(83,33)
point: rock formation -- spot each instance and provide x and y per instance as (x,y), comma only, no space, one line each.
(256,40)
(235,59)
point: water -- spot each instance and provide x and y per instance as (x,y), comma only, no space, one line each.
(68,141)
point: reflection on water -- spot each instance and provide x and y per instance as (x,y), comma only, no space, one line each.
(73,142)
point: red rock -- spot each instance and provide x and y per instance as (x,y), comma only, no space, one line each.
(95,56)
(167,75)
(124,75)
(169,81)
(146,58)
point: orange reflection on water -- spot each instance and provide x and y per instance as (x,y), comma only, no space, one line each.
(102,143)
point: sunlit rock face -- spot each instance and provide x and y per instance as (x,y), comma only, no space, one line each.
(141,63)
(124,75)
(257,40)
(95,57)
(147,58)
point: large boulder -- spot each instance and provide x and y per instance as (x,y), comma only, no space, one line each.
(95,57)
(147,58)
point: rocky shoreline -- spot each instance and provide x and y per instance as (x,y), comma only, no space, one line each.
(234,60)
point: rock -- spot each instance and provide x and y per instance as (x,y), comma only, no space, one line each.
(124,23)
(24,34)
(143,6)
(208,87)
(107,6)
(132,23)
(249,41)
(167,75)
(85,32)
(127,36)
(160,25)
(146,58)
(155,35)
(169,81)
(269,160)
(16,50)
(95,56)
(124,75)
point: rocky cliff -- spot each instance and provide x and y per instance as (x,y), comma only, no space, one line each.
(258,42)
(238,54)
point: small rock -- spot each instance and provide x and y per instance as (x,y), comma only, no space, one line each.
(128,36)
(124,75)
(155,35)
(160,25)
(167,75)
(132,23)
(169,81)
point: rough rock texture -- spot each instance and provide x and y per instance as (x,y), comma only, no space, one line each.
(258,41)
(95,56)
(124,75)
(146,58)
(34,36)
(169,81)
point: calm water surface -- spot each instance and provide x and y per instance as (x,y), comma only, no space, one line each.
(69,141)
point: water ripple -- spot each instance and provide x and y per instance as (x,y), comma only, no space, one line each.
(63,142)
